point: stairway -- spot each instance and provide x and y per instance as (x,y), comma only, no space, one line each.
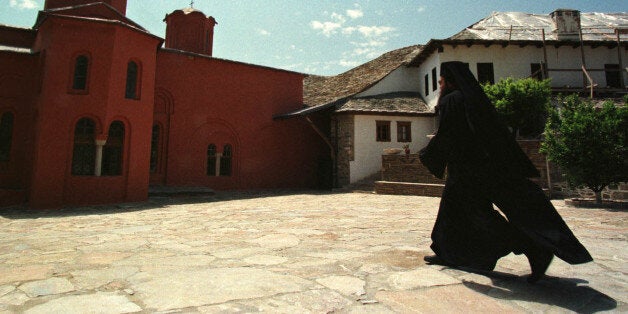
(405,175)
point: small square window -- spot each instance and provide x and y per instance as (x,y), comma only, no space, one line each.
(536,72)
(613,74)
(486,74)
(383,131)
(404,132)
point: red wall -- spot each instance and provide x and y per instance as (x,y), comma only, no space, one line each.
(223,102)
(18,90)
(198,100)
(109,47)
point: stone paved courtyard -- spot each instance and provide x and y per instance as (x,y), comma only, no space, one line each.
(291,252)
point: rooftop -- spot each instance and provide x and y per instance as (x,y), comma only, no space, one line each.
(527,26)
(320,90)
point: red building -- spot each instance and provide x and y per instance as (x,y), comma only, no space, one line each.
(93,110)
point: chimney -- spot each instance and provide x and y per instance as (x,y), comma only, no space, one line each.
(566,24)
(190,30)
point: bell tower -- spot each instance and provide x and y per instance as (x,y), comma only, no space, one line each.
(119,5)
(190,30)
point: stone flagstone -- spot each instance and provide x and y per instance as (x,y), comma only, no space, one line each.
(312,252)
(447,299)
(23,273)
(101,303)
(346,285)
(47,287)
(420,278)
(183,289)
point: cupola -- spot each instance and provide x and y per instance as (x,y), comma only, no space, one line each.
(190,30)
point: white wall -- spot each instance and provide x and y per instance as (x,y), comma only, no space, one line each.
(402,79)
(368,152)
(426,67)
(514,61)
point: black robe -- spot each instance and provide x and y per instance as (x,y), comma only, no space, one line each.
(485,166)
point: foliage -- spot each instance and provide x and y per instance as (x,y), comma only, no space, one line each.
(588,143)
(521,104)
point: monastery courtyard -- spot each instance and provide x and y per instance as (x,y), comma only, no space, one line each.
(285,252)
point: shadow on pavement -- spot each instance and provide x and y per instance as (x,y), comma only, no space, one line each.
(566,293)
(153,202)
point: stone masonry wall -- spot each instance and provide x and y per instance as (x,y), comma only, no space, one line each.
(343,138)
(531,148)
(406,168)
(401,168)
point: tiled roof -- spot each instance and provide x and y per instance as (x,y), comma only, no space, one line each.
(526,26)
(523,29)
(96,11)
(320,90)
(398,103)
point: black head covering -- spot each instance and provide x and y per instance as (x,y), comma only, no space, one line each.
(493,136)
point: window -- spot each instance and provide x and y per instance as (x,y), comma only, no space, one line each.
(131,80)
(81,64)
(84,152)
(404,133)
(383,131)
(485,73)
(434,79)
(112,151)
(225,161)
(427,84)
(6,136)
(536,71)
(154,149)
(612,75)
(211,160)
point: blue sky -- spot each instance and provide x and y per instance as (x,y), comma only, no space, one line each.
(322,37)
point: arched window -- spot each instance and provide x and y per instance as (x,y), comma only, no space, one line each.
(6,135)
(84,153)
(81,64)
(225,161)
(154,149)
(211,160)
(112,151)
(131,80)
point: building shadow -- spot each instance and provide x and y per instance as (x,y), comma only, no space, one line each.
(153,202)
(567,293)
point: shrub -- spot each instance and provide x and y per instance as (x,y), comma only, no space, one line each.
(521,104)
(588,143)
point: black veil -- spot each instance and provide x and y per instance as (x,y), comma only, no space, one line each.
(491,134)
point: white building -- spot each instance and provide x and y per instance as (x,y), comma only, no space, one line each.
(389,102)
(519,45)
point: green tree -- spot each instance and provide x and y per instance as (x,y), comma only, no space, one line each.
(521,104)
(588,143)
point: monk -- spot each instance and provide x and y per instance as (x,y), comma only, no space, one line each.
(486,167)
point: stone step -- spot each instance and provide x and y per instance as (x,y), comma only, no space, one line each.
(409,188)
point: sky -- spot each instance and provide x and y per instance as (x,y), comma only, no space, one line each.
(323,37)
